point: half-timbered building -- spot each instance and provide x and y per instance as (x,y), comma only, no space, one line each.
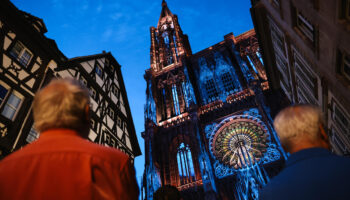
(111,121)
(29,60)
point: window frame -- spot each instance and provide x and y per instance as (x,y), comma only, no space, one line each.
(83,80)
(210,89)
(16,109)
(111,112)
(187,175)
(99,70)
(93,93)
(32,135)
(19,55)
(226,79)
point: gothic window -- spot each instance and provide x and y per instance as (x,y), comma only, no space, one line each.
(12,106)
(32,136)
(226,79)
(99,70)
(166,39)
(21,53)
(240,143)
(185,164)
(174,38)
(252,64)
(259,56)
(164,102)
(168,53)
(175,100)
(185,93)
(210,88)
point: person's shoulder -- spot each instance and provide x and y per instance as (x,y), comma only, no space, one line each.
(104,151)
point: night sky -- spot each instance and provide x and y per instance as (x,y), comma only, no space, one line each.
(86,27)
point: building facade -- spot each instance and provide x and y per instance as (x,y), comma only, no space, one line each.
(29,60)
(208,125)
(306,48)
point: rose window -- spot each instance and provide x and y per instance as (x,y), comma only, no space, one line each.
(240,142)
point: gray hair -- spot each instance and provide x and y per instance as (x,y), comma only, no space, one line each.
(61,104)
(298,122)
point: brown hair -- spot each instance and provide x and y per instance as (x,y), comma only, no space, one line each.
(61,104)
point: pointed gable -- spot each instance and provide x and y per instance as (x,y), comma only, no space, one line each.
(164,13)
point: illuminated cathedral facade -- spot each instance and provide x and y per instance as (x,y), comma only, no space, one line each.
(208,118)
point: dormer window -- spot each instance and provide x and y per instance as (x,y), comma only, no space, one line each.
(21,53)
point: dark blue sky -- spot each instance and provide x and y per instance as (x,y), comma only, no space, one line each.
(85,27)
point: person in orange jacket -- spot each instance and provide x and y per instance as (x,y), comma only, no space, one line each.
(62,163)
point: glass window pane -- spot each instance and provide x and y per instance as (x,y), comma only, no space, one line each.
(25,58)
(16,50)
(185,164)
(8,112)
(14,101)
(3,92)
(11,106)
(33,135)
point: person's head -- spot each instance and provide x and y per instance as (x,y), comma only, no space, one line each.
(63,103)
(167,192)
(300,127)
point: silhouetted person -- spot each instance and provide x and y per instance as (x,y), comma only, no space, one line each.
(311,171)
(62,163)
(167,192)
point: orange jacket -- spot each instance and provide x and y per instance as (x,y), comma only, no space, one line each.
(62,165)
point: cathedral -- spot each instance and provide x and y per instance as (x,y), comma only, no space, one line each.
(208,116)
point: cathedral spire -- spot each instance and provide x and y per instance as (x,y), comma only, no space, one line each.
(165,10)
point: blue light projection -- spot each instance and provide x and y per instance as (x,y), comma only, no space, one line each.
(205,166)
(152,177)
(240,145)
(150,106)
(175,100)
(185,164)
(188,90)
(224,66)
(252,64)
(246,72)
(259,56)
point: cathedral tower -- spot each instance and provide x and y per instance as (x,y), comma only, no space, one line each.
(208,131)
